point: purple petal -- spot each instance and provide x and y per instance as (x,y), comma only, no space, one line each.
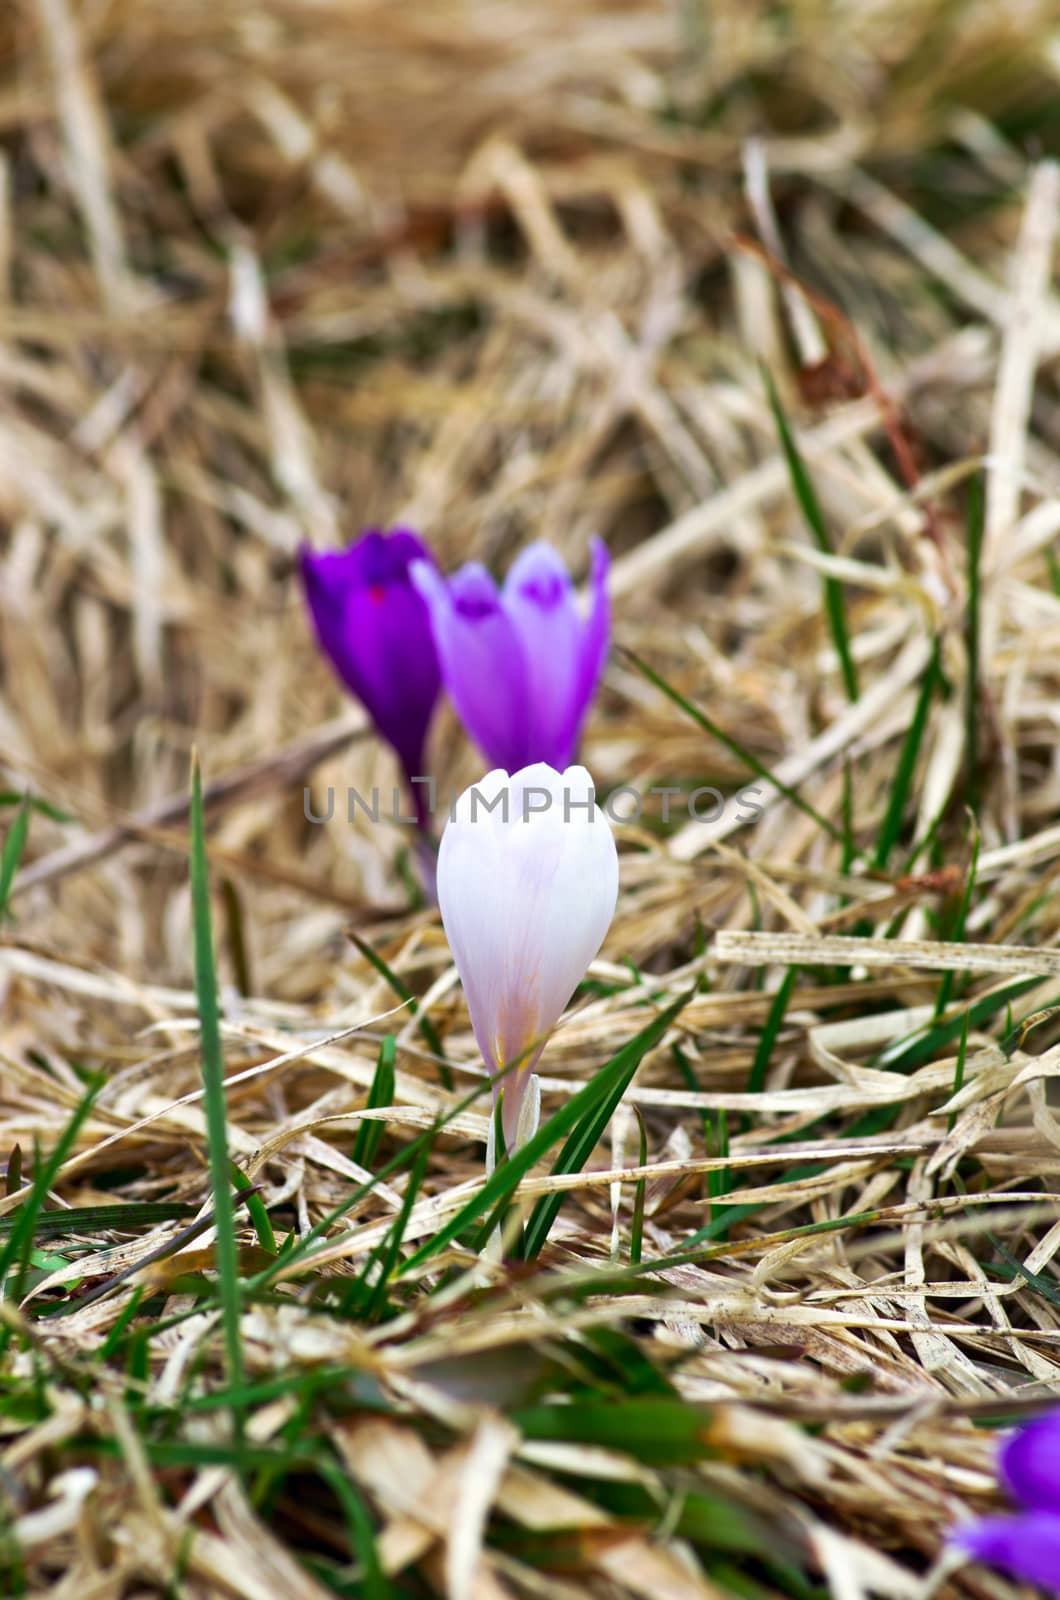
(597,635)
(539,598)
(482,660)
(1026,1547)
(374,628)
(1029,1463)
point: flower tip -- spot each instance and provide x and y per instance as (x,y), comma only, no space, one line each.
(580,775)
(538,772)
(425,577)
(600,557)
(407,546)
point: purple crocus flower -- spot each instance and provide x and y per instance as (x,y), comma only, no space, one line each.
(1027,1545)
(374,627)
(520,664)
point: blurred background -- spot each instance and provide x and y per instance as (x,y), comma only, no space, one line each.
(271,272)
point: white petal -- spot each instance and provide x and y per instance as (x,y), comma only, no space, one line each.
(527,891)
(582,902)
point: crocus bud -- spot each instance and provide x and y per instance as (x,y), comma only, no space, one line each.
(527,884)
(520,665)
(374,627)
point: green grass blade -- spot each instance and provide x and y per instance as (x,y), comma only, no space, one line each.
(125,1216)
(403,992)
(588,1127)
(227,1253)
(956,933)
(11,853)
(255,1205)
(575,1115)
(301,1250)
(19,1243)
(392,1243)
(913,1049)
(374,1584)
(381,1093)
(958,1071)
(361,1297)
(971,641)
(636,1231)
(849,845)
(1052,561)
(10,797)
(235,931)
(128,1311)
(734,747)
(806,495)
(757,1078)
(891,825)
(656,1432)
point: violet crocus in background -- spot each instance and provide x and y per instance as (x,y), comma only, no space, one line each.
(374,627)
(1026,1545)
(527,885)
(520,664)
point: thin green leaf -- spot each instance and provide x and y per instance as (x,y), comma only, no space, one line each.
(11,852)
(749,759)
(125,1216)
(958,1071)
(891,826)
(849,845)
(576,1114)
(398,985)
(956,932)
(913,1049)
(655,1432)
(636,1230)
(236,936)
(975,522)
(381,1093)
(114,1337)
(396,1233)
(259,1216)
(612,1082)
(806,495)
(774,1019)
(226,1249)
(14,797)
(19,1243)
(300,1250)
(720,1180)
(374,1584)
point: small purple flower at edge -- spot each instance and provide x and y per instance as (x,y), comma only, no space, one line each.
(520,665)
(1027,1545)
(374,627)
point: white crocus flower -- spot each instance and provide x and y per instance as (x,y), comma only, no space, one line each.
(527,884)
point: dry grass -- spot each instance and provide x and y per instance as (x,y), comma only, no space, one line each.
(271,270)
